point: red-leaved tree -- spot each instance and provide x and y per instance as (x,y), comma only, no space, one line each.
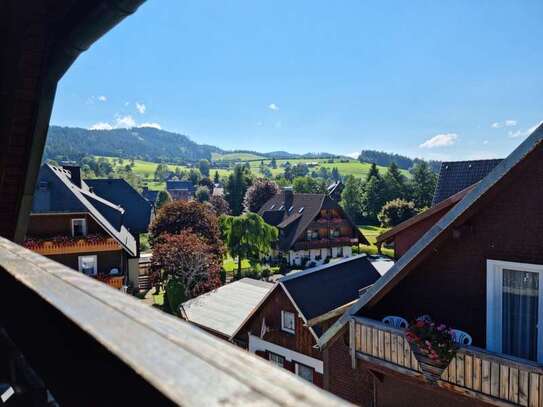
(188,259)
(259,193)
(179,216)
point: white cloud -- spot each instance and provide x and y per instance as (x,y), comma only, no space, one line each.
(124,122)
(273,106)
(506,123)
(524,133)
(140,107)
(102,98)
(440,140)
(354,154)
(101,126)
(153,125)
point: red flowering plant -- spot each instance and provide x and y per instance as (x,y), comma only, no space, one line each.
(434,341)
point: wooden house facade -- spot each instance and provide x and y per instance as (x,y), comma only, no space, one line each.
(479,270)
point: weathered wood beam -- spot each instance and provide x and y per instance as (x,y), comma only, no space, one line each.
(174,359)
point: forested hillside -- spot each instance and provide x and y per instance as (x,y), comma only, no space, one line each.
(385,159)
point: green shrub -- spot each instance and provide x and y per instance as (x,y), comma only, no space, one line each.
(395,212)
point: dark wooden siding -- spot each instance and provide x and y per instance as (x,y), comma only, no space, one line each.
(302,341)
(450,283)
(106,260)
(59,225)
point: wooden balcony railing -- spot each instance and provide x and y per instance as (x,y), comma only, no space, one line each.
(490,377)
(323,243)
(80,336)
(112,281)
(73,246)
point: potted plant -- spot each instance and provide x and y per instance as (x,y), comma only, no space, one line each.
(432,345)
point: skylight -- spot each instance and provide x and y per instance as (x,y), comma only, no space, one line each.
(301,210)
(273,206)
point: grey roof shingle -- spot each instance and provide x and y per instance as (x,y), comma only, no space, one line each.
(455,176)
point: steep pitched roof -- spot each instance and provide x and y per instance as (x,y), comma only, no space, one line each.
(423,246)
(176,184)
(150,195)
(321,289)
(293,217)
(55,192)
(118,191)
(455,176)
(223,310)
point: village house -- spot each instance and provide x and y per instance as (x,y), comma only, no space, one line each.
(180,190)
(477,270)
(312,228)
(74,225)
(285,326)
(455,180)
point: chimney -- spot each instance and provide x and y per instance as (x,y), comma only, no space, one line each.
(75,172)
(289,197)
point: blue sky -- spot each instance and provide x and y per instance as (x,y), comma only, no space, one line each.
(435,79)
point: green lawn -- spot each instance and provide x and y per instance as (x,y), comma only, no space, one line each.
(236,157)
(371,233)
(230,265)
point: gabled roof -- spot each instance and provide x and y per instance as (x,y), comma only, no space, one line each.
(424,244)
(150,195)
(176,184)
(223,310)
(118,191)
(293,215)
(443,205)
(455,176)
(56,193)
(319,290)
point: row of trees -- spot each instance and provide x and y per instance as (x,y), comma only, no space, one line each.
(364,200)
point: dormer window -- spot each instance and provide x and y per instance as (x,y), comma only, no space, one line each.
(514,309)
(271,207)
(79,227)
(281,207)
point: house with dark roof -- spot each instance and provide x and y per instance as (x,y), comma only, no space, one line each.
(312,228)
(335,189)
(150,195)
(478,270)
(286,325)
(456,180)
(74,225)
(180,190)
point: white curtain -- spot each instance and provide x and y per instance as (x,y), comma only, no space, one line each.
(520,313)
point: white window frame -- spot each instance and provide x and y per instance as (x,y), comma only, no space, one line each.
(274,358)
(80,260)
(285,328)
(83,223)
(494,290)
(297,371)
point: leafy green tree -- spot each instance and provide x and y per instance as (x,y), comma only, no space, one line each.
(395,183)
(273,163)
(287,172)
(258,194)
(236,188)
(206,182)
(163,197)
(373,172)
(351,197)
(203,166)
(216,178)
(202,194)
(161,172)
(247,237)
(422,184)
(395,212)
(308,185)
(335,174)
(194,176)
(373,198)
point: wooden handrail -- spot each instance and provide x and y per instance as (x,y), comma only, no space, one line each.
(178,361)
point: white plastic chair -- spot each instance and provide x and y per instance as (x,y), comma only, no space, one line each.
(461,337)
(395,322)
(425,318)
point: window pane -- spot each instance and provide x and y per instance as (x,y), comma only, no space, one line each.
(288,320)
(305,372)
(88,264)
(277,359)
(520,313)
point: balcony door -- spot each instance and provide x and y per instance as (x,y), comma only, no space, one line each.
(515,309)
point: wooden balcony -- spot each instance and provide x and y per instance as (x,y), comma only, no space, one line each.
(112,281)
(83,245)
(490,377)
(324,243)
(80,336)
